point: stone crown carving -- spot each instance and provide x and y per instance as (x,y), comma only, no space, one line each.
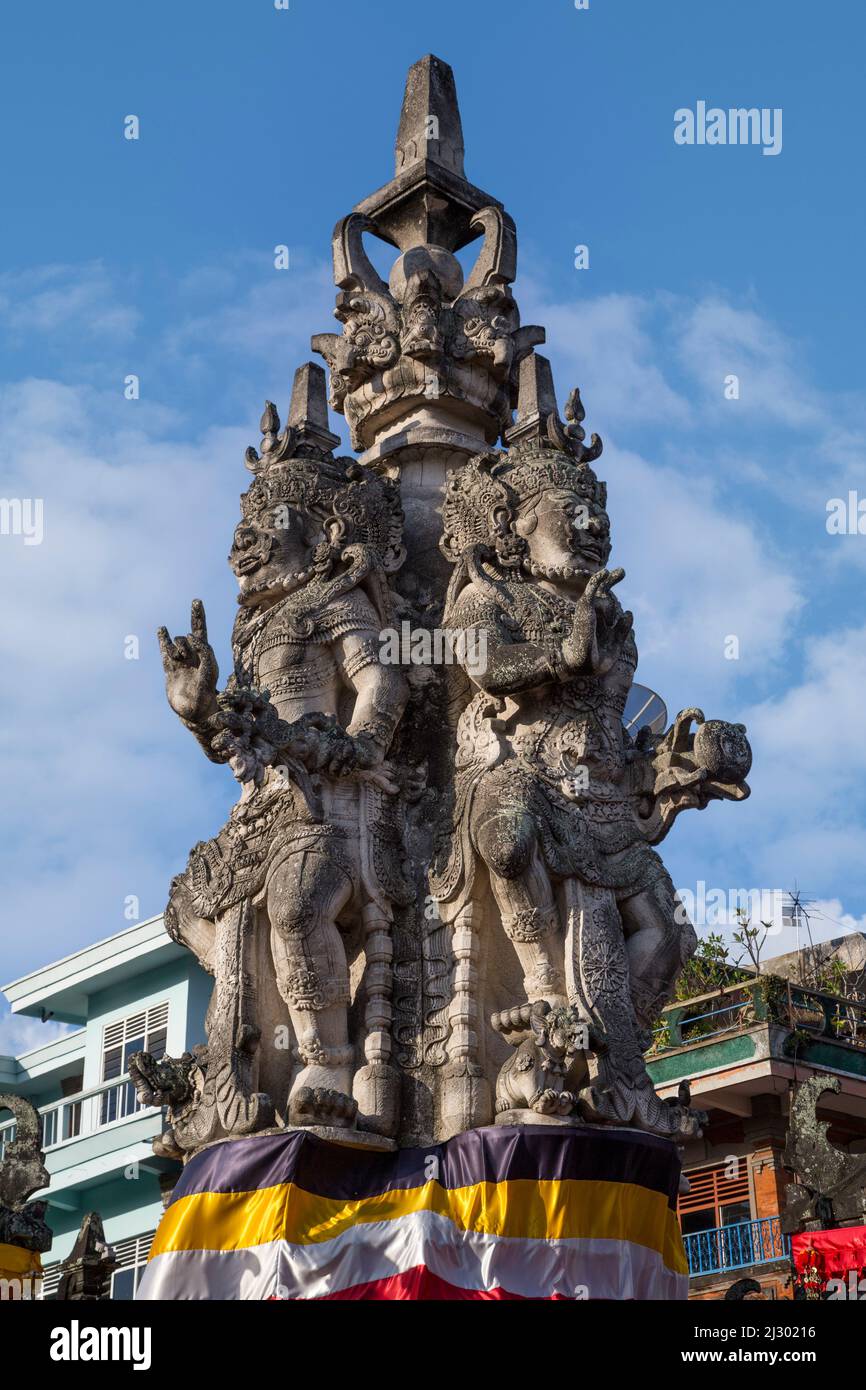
(427,337)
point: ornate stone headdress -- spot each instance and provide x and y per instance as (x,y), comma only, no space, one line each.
(484,495)
(296,468)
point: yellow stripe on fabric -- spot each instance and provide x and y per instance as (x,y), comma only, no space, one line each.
(14,1261)
(519,1208)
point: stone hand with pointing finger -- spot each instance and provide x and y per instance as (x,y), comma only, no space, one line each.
(191,675)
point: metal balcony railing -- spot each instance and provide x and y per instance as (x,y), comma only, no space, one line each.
(78,1115)
(737,1246)
(813,1013)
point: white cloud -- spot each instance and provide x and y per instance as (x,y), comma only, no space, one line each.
(19,1034)
(262,315)
(95,778)
(696,574)
(811,734)
(716,338)
(55,298)
(803,823)
(606,345)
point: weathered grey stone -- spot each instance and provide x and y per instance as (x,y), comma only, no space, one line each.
(832,1184)
(430,126)
(304,722)
(429,200)
(556,809)
(548,1068)
(308,411)
(85,1274)
(23,1172)
(426,359)
(439,882)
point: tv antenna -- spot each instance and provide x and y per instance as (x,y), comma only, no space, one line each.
(794,914)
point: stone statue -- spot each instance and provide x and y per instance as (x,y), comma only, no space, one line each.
(311,856)
(831,1186)
(23,1172)
(439,886)
(547,1071)
(556,809)
(85,1274)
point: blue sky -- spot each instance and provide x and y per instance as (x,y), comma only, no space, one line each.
(155,257)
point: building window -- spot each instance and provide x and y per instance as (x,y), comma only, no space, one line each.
(715,1199)
(143,1032)
(131,1258)
(50,1281)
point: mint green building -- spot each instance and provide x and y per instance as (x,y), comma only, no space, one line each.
(135,991)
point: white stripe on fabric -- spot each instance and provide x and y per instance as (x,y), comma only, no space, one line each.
(605,1268)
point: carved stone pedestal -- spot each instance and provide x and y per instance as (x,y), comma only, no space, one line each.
(531,1117)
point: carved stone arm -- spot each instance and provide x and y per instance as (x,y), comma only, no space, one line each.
(203,732)
(505,668)
(689,768)
(381,694)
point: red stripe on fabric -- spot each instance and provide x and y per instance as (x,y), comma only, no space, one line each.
(422,1283)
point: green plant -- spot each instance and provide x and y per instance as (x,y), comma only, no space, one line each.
(795,1041)
(772,991)
(750,939)
(709,969)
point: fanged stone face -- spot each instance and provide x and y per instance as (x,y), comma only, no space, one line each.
(568,532)
(564,1034)
(269,554)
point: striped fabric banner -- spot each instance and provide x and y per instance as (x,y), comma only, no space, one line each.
(497,1213)
(20,1273)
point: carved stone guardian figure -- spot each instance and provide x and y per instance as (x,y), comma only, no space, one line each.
(85,1274)
(556,808)
(310,858)
(23,1172)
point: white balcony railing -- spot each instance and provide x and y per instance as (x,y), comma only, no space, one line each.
(78,1115)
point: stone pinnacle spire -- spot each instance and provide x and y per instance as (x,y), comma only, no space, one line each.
(429,201)
(430,126)
(536,401)
(308,412)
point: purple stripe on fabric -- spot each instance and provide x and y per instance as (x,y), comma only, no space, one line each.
(492,1154)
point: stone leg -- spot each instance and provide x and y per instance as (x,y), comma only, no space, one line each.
(304,897)
(598,973)
(659,941)
(524,895)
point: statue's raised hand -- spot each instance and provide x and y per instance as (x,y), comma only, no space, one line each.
(580,648)
(191,671)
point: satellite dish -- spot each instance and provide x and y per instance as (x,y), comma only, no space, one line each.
(644,706)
